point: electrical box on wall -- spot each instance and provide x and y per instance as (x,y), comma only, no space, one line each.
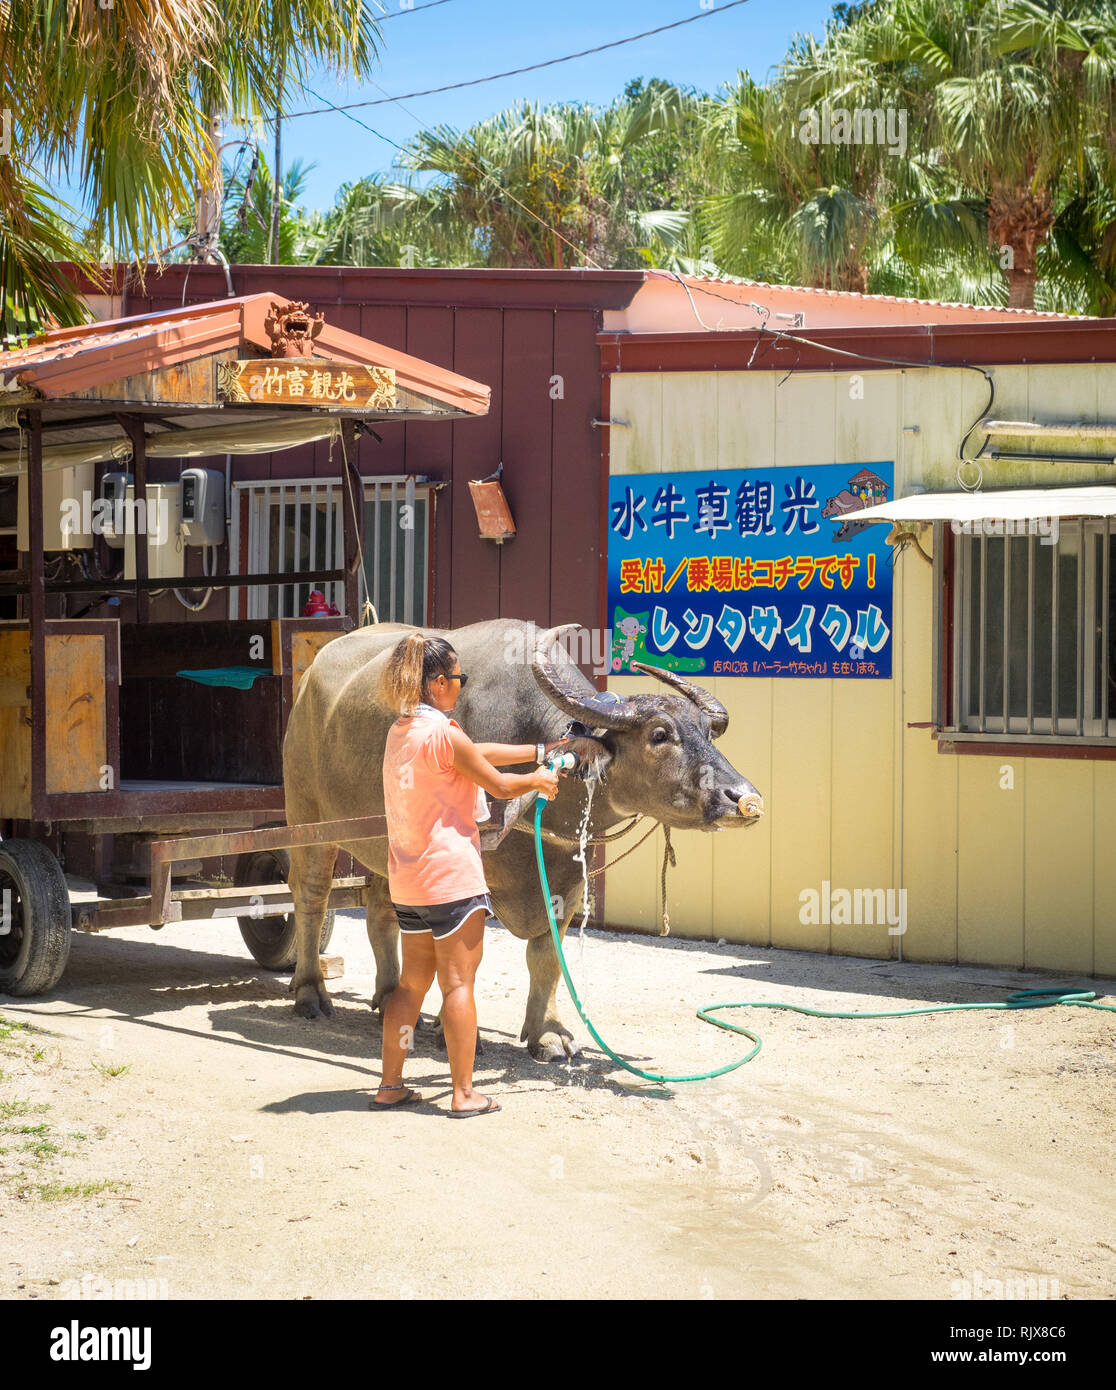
(203,506)
(67,509)
(115,488)
(165,553)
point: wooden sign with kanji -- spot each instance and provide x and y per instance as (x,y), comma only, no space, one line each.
(306,381)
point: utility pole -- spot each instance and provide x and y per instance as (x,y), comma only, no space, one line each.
(210,193)
(277,172)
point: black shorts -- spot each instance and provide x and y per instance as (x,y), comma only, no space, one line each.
(442,919)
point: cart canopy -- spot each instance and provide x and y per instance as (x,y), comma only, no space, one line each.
(243,375)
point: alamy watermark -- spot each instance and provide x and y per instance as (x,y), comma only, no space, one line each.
(77,1343)
(588,646)
(98,1286)
(849,907)
(836,125)
(133,516)
(980,1286)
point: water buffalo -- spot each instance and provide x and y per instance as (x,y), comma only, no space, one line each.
(840,506)
(650,753)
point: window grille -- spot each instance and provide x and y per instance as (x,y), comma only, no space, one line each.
(296,526)
(1030,655)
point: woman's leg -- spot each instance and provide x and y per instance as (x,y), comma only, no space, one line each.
(457,958)
(402,1009)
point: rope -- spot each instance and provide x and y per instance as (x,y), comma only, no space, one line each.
(609,836)
(668,854)
(605,839)
(594,872)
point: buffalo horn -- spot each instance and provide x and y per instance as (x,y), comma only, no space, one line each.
(705,702)
(600,709)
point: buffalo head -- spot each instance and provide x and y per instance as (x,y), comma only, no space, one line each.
(657,751)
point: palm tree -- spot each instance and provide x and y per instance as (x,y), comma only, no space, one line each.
(1008,102)
(786,206)
(122,101)
(544,186)
(381,221)
(246,228)
(1077,265)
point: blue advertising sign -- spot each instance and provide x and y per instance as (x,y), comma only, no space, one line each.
(751,572)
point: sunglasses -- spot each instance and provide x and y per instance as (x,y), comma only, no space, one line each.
(461,676)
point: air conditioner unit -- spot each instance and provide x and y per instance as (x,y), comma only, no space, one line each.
(67,511)
(162,527)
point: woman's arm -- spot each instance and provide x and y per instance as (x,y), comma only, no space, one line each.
(469,760)
(503,754)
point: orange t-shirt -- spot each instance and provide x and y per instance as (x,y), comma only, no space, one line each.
(434,853)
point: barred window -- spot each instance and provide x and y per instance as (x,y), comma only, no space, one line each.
(1031,631)
(296,526)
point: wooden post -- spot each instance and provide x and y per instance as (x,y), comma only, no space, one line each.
(37,577)
(133,426)
(352,503)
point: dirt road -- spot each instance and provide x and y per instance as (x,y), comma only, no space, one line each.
(170,1120)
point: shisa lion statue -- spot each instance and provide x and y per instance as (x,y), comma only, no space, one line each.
(292,329)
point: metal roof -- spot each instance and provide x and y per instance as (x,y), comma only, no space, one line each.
(855,296)
(68,362)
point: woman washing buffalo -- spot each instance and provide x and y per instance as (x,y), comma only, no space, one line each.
(435,778)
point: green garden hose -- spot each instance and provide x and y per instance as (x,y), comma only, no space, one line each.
(1021,999)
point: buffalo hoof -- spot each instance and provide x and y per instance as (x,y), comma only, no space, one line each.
(554,1047)
(380,998)
(313,1002)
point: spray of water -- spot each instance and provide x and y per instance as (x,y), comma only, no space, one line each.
(582,858)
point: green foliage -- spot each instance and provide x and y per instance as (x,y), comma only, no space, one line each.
(1008,109)
(112,1069)
(246,226)
(65,1192)
(121,99)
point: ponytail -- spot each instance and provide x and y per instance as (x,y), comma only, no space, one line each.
(414,661)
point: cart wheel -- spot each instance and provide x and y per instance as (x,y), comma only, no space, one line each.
(34,918)
(272,939)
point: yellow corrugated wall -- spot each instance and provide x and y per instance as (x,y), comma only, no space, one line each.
(1015,875)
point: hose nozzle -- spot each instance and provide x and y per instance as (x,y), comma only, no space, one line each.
(561,762)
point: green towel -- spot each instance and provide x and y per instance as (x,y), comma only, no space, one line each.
(239,677)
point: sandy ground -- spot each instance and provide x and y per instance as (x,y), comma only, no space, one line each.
(881,1159)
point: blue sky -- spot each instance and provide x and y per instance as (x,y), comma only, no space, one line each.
(463,39)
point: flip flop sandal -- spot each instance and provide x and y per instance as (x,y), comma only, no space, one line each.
(487,1109)
(395,1104)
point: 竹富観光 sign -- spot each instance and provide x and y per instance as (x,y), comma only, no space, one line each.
(306,381)
(751,572)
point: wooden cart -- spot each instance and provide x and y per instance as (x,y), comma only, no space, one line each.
(118,775)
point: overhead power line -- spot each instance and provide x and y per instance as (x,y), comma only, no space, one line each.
(356,119)
(531,67)
(341,111)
